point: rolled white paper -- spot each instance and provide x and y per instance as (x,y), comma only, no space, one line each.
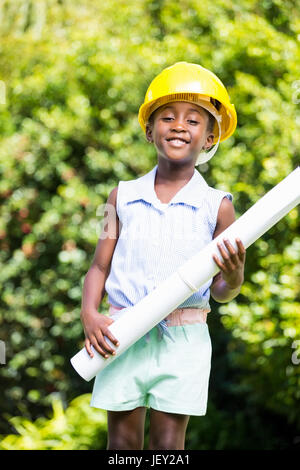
(136,321)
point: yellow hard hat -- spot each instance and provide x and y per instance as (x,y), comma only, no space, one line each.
(184,81)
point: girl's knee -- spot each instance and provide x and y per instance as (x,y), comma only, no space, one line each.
(166,442)
(125,442)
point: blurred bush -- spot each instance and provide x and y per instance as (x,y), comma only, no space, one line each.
(72,80)
(79,427)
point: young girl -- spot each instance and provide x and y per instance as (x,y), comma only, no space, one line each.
(158,222)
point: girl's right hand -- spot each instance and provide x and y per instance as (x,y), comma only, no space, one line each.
(95,327)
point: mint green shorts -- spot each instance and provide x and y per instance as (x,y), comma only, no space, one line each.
(161,374)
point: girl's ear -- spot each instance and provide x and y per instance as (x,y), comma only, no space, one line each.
(209,141)
(149,133)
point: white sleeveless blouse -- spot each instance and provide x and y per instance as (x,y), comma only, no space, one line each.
(156,238)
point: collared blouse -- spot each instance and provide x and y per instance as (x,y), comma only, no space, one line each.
(155,239)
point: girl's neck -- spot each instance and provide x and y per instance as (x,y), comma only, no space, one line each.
(168,173)
(168,181)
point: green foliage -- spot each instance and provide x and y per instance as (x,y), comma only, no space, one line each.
(79,427)
(73,80)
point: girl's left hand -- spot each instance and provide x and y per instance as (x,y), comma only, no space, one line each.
(232,269)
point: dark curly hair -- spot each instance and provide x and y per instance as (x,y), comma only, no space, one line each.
(211,119)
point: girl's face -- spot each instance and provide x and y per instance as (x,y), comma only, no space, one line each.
(179,131)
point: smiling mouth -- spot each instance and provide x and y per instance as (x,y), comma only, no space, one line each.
(177,141)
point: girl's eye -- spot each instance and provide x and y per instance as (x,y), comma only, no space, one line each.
(169,118)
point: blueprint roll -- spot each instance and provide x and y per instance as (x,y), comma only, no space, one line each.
(136,321)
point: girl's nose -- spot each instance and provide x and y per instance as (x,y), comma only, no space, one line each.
(178,124)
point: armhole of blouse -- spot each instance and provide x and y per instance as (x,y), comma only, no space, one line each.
(221,196)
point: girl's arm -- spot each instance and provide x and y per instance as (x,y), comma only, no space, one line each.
(95,324)
(227,282)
